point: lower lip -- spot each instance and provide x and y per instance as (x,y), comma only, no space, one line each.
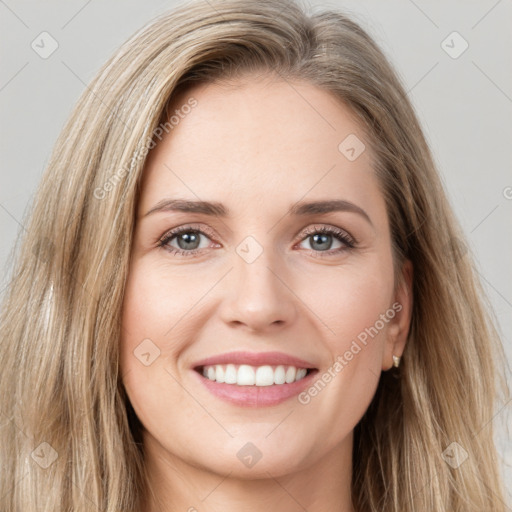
(256,396)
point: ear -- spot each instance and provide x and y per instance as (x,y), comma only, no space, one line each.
(399,325)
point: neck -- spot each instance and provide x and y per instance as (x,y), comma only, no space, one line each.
(177,486)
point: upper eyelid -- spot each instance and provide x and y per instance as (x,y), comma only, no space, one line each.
(188,227)
(319,227)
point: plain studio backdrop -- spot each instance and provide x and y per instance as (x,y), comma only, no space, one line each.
(454,58)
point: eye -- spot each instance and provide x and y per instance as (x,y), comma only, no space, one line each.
(322,239)
(192,239)
(185,240)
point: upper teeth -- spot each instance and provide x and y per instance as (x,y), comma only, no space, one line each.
(245,375)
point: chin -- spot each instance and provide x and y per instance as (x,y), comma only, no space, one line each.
(256,459)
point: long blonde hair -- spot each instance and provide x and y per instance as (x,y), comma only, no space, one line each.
(70,439)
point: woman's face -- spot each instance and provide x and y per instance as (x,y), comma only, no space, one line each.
(282,267)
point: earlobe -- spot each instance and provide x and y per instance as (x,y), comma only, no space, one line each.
(399,329)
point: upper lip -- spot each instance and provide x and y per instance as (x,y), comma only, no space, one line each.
(255,359)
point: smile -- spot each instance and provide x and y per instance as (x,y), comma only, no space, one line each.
(249,379)
(246,375)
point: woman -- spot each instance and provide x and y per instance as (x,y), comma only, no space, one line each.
(241,286)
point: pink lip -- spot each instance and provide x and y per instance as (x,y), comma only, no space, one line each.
(256,396)
(255,359)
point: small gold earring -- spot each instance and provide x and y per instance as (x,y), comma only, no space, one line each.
(396,361)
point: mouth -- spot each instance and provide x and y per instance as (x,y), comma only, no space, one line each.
(254,380)
(248,375)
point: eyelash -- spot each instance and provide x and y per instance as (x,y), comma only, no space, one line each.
(342,236)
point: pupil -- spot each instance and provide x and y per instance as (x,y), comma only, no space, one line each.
(321,238)
(185,239)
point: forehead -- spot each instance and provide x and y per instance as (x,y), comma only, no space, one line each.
(264,141)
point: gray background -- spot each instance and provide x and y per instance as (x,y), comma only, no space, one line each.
(464,104)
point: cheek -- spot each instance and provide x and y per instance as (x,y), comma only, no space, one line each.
(148,315)
(352,302)
(143,326)
(144,308)
(356,309)
(152,309)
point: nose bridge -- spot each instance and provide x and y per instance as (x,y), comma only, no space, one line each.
(253,264)
(259,296)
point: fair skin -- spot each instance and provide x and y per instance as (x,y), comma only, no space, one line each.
(258,148)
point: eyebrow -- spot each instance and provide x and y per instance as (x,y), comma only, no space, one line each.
(213,208)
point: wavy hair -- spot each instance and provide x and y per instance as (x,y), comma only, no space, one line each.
(70,439)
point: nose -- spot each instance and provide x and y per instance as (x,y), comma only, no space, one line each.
(258,296)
